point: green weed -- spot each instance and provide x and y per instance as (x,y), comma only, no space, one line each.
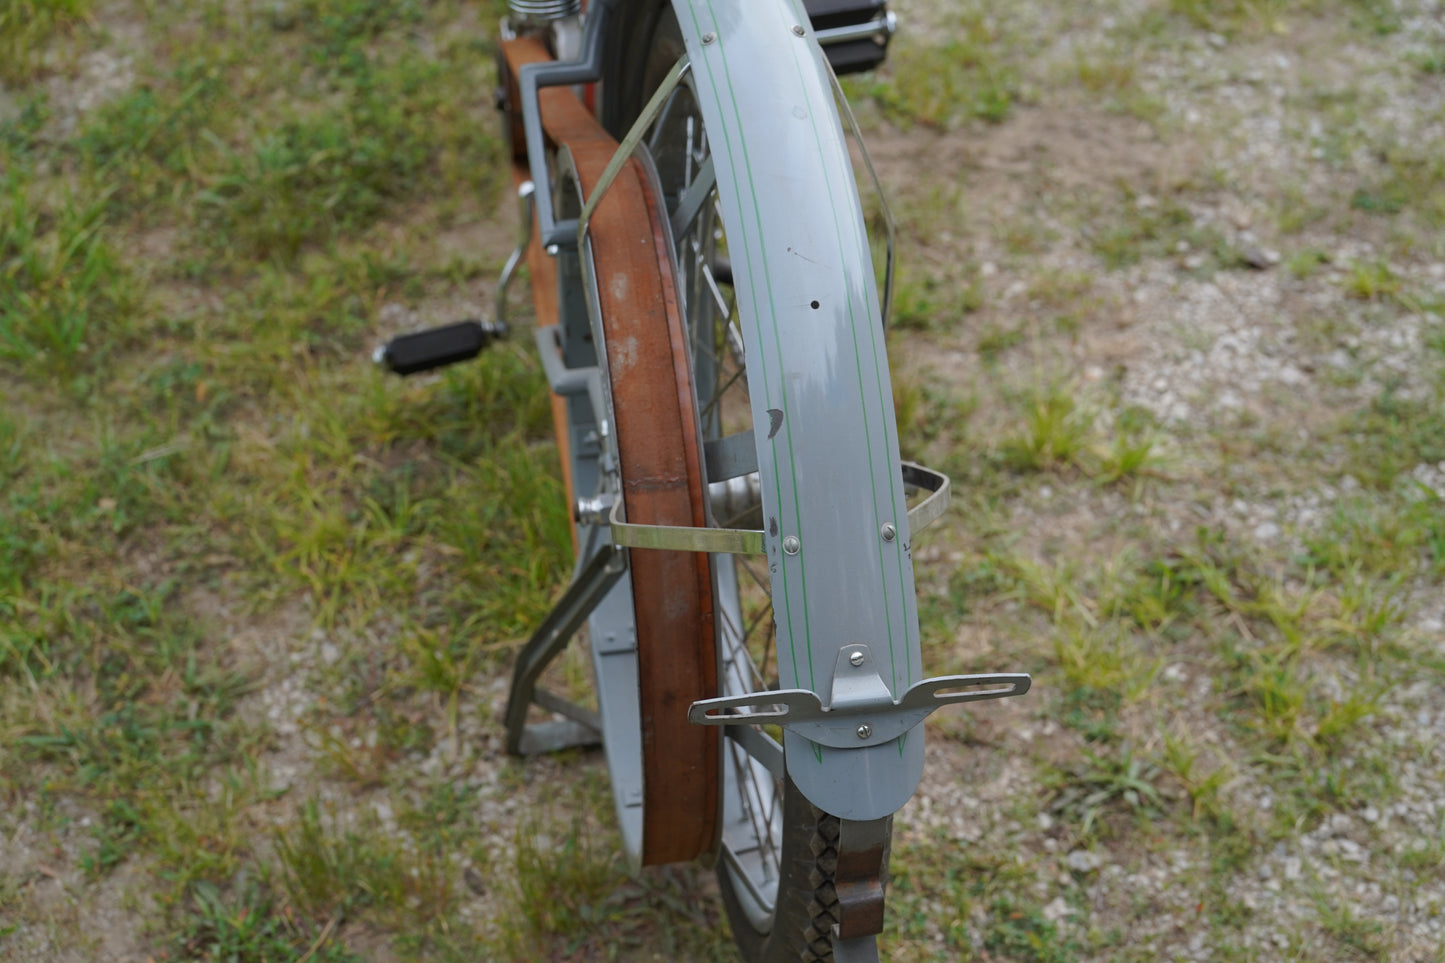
(1180,758)
(1393,435)
(1228,16)
(1130,454)
(1304,264)
(1362,534)
(1378,17)
(1020,932)
(315,178)
(1431,61)
(1362,935)
(1277,693)
(27,27)
(1125,230)
(250,927)
(1055,433)
(1371,281)
(994,341)
(1101,784)
(329,872)
(923,303)
(144,144)
(940,85)
(63,293)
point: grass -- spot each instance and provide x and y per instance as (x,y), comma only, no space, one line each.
(257,603)
(966,78)
(64,294)
(28,27)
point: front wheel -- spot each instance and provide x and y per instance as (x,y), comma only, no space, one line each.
(778,854)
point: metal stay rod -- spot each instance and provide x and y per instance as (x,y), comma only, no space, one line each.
(629,143)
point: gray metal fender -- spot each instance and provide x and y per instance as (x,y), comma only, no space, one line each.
(818,377)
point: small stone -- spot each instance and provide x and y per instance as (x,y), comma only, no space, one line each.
(1082,861)
(1058,910)
(1370,815)
(1259,258)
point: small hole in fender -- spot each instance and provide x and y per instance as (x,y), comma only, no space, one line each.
(814,305)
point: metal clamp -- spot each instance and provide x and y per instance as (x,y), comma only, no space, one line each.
(861,710)
(683,538)
(743,541)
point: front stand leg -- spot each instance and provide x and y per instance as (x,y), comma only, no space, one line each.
(580,727)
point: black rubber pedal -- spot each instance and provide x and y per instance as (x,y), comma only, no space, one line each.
(850,56)
(438,347)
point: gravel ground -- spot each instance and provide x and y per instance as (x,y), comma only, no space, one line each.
(1236,129)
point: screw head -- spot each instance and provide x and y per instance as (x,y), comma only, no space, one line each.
(792,545)
(552,250)
(798,30)
(708,37)
(864,730)
(889,532)
(856,659)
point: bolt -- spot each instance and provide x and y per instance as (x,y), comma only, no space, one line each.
(708,38)
(889,532)
(856,659)
(552,250)
(864,731)
(798,30)
(791,545)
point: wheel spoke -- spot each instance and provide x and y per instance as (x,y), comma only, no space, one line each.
(723,307)
(691,203)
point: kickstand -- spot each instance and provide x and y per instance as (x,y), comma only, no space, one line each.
(579,726)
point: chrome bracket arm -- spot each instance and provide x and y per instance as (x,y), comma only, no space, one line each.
(861,711)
